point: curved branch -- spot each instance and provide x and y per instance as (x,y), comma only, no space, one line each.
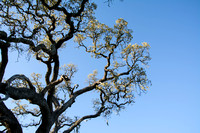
(55,6)
(34,98)
(101,110)
(22,77)
(52,84)
(8,119)
(30,43)
(81,9)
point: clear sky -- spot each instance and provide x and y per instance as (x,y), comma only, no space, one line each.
(172,105)
(172,28)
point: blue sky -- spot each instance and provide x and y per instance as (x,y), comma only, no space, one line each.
(172,28)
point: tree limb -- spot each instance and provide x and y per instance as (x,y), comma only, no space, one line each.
(84,118)
(8,119)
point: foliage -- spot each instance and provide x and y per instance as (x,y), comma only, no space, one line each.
(42,27)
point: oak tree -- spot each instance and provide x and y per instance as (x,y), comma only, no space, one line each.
(41,28)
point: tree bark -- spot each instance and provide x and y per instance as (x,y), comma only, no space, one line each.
(8,119)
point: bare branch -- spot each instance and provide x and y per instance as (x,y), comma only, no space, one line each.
(52,84)
(22,77)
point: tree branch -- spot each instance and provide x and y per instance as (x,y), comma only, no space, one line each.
(102,109)
(22,77)
(4,54)
(34,98)
(8,119)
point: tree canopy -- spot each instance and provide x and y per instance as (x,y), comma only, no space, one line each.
(41,28)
